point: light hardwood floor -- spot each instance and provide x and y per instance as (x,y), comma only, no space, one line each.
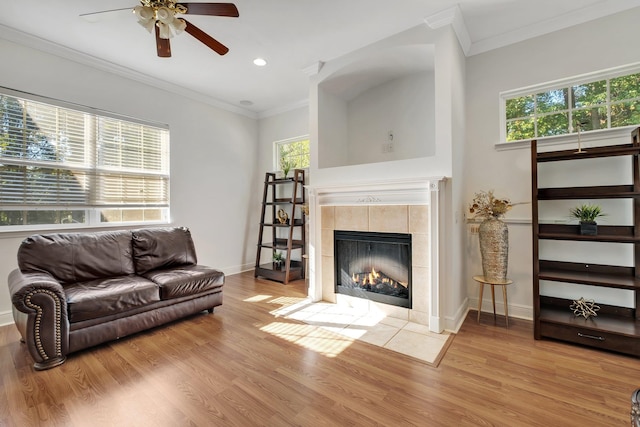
(241,366)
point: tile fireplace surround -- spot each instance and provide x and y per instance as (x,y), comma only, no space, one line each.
(406,206)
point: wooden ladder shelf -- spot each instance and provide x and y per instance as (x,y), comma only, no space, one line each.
(282,224)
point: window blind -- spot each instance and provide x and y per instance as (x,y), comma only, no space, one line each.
(54,158)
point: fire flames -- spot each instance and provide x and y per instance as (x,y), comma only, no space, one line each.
(374,278)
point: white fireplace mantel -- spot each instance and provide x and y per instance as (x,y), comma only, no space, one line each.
(425,191)
(415,191)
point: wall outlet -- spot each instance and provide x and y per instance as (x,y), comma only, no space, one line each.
(387,147)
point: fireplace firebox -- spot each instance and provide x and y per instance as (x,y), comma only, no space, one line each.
(374,266)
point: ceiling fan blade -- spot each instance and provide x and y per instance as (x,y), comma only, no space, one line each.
(162,45)
(105,11)
(213,9)
(206,38)
(103,14)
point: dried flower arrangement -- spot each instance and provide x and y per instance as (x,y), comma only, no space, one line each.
(485,205)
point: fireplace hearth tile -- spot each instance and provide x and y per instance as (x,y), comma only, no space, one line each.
(328,215)
(424,330)
(328,284)
(301,311)
(391,310)
(415,345)
(390,219)
(346,323)
(392,321)
(327,241)
(419,219)
(333,320)
(352,218)
(419,317)
(378,335)
(420,250)
(349,302)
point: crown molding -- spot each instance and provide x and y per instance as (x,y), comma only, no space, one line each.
(560,22)
(313,69)
(283,109)
(452,16)
(46,46)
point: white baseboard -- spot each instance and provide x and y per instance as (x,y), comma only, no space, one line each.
(237,269)
(515,310)
(6,318)
(453,324)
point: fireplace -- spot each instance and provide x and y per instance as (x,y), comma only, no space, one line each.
(374,266)
(411,206)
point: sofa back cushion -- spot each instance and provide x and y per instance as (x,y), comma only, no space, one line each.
(155,248)
(77,257)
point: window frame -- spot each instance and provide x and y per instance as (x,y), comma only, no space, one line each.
(92,210)
(277,150)
(583,79)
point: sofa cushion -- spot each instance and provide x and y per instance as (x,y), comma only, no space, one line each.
(186,280)
(78,257)
(155,248)
(102,297)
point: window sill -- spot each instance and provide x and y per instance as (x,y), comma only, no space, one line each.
(622,133)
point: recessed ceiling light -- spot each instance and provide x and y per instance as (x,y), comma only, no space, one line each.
(260,62)
(246,102)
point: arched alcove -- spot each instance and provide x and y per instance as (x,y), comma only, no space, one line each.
(378,108)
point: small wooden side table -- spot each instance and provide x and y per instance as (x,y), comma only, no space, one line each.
(482,281)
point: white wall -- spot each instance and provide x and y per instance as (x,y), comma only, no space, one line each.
(405,107)
(334,130)
(213,153)
(593,46)
(289,124)
(456,300)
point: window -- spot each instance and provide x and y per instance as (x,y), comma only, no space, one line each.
(608,101)
(64,166)
(293,150)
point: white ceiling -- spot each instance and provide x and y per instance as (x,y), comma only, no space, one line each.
(292,35)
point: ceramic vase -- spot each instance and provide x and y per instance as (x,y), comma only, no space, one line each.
(494,248)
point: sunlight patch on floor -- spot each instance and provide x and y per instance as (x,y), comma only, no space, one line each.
(330,328)
(308,336)
(288,304)
(258,298)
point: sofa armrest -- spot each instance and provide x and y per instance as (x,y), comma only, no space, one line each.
(40,313)
(635,408)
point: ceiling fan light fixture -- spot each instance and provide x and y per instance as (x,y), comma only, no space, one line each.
(164,15)
(178,25)
(148,25)
(260,62)
(143,12)
(146,17)
(165,30)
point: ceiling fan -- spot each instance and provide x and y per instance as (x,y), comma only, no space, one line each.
(161,15)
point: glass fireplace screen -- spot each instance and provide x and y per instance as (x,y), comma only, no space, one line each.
(375,266)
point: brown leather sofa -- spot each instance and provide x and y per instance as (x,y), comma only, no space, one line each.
(76,290)
(635,408)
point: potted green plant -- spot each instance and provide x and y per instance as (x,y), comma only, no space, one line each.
(278,259)
(587,215)
(286,166)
